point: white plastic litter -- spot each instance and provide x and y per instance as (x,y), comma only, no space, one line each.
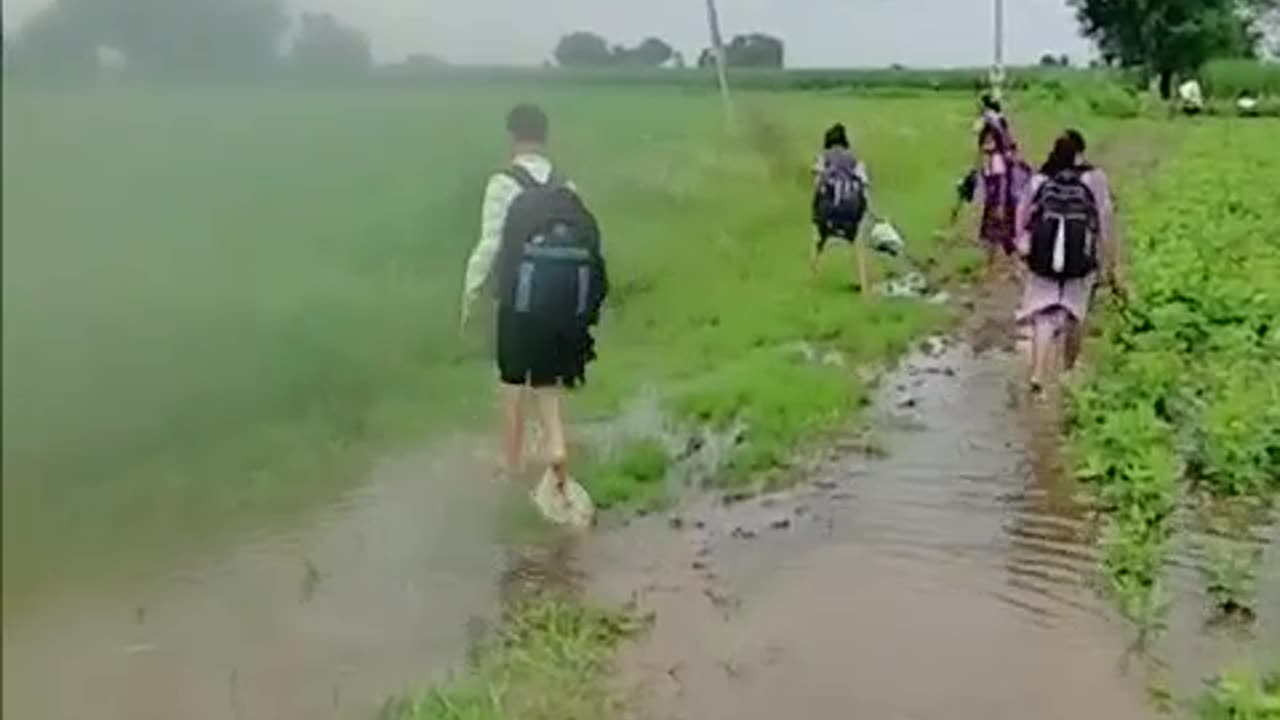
(571,506)
(885,238)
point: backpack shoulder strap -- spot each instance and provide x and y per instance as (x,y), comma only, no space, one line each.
(523,177)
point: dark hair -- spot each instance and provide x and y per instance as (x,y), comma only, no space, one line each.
(998,133)
(527,123)
(835,137)
(1066,149)
(1078,139)
(991,103)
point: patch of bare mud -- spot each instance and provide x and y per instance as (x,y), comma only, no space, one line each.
(950,578)
(380,595)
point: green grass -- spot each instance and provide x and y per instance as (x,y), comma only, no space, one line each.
(634,479)
(1228,78)
(780,398)
(552,660)
(886,81)
(1241,694)
(219,306)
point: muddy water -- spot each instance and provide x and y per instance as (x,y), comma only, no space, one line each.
(952,578)
(377,596)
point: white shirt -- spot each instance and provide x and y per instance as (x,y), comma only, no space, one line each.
(1190,94)
(498,196)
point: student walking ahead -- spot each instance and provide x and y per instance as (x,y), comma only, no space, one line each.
(1003,177)
(1066,235)
(840,199)
(542,246)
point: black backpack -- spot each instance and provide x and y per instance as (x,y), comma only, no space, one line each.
(840,196)
(1064,228)
(550,263)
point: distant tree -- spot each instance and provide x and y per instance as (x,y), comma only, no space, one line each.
(1271,32)
(677,61)
(755,50)
(422,61)
(651,52)
(414,65)
(583,49)
(54,42)
(175,38)
(324,47)
(1166,39)
(1051,60)
(752,50)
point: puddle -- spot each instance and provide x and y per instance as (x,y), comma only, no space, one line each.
(383,593)
(952,578)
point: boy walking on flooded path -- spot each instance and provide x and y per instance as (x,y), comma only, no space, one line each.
(541,247)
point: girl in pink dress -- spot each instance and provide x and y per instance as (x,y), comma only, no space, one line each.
(1058,308)
(1004,177)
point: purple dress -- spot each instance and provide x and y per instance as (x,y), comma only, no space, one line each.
(998,204)
(1042,295)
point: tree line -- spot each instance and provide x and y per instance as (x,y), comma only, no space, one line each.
(589,50)
(1169,39)
(185,39)
(228,39)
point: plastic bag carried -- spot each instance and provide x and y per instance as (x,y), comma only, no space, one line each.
(885,238)
(570,506)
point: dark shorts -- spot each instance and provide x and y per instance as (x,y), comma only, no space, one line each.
(533,353)
(844,229)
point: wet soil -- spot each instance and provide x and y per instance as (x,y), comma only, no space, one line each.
(951,577)
(955,577)
(378,596)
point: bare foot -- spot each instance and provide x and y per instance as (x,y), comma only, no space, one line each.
(561,473)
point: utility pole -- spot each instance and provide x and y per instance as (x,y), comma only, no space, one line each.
(717,48)
(997,67)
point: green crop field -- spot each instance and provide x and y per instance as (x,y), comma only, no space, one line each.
(220,305)
(1184,399)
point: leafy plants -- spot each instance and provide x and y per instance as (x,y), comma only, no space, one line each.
(1241,694)
(1183,402)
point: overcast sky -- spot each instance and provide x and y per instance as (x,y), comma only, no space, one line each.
(825,33)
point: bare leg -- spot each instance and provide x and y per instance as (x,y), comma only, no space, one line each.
(993,261)
(1042,340)
(512,398)
(1072,343)
(860,253)
(813,258)
(549,414)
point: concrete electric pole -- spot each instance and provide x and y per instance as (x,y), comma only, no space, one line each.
(997,66)
(717,49)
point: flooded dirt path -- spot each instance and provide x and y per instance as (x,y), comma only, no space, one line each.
(377,596)
(952,578)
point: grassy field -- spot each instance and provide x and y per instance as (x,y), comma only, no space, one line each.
(1221,78)
(219,306)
